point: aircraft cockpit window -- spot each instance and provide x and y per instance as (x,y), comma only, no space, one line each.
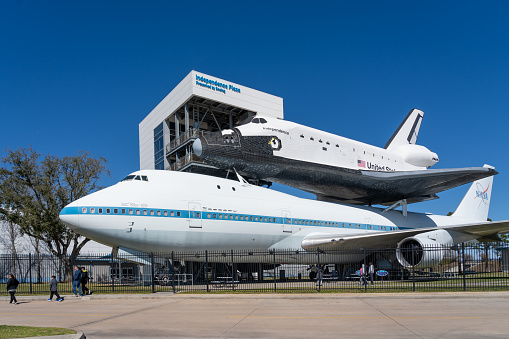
(129,177)
(137,178)
(263,121)
(144,178)
(256,121)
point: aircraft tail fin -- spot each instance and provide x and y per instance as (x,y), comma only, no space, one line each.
(476,203)
(407,131)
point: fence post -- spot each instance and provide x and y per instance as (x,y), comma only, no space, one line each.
(364,275)
(233,273)
(319,268)
(111,273)
(463,269)
(207,269)
(30,270)
(152,271)
(172,272)
(413,268)
(274,256)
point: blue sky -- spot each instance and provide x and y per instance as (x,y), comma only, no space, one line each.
(82,75)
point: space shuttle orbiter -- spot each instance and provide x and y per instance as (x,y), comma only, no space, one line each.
(335,168)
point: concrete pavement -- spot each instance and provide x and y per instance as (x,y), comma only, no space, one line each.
(401,315)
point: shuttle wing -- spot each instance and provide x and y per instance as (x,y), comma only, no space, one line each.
(391,239)
(388,187)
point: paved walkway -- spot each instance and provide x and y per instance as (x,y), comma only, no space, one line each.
(403,315)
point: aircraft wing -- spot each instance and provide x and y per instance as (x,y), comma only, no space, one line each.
(388,187)
(391,239)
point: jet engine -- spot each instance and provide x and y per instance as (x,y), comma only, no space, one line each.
(417,155)
(426,250)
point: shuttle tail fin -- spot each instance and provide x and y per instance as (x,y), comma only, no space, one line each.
(408,130)
(476,203)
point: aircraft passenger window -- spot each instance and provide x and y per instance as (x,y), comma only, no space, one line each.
(263,121)
(197,214)
(108,211)
(84,210)
(214,216)
(137,177)
(324,148)
(302,135)
(256,218)
(337,145)
(100,210)
(92,210)
(165,213)
(144,212)
(208,215)
(178,214)
(251,218)
(129,177)
(233,188)
(220,216)
(231,217)
(265,219)
(311,138)
(328,143)
(138,212)
(241,217)
(218,187)
(236,217)
(159,213)
(144,178)
(115,210)
(151,212)
(122,211)
(172,214)
(320,140)
(130,211)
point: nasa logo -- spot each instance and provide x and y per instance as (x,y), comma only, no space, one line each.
(482,194)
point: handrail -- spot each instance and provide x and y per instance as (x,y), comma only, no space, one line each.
(190,134)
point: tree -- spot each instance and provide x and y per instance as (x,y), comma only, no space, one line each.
(35,188)
(10,240)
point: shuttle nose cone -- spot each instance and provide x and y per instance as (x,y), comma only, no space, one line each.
(197,147)
(70,217)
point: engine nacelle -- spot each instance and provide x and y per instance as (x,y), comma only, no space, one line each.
(426,250)
(417,155)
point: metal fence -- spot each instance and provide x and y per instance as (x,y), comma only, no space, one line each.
(460,268)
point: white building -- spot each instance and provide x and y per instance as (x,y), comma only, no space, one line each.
(199,103)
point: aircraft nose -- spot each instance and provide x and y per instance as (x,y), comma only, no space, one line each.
(197,147)
(70,217)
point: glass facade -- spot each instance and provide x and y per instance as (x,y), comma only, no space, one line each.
(158,148)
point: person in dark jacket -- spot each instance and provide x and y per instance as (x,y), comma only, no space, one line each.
(76,282)
(84,281)
(12,285)
(53,289)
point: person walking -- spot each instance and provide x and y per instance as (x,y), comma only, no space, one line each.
(319,277)
(76,282)
(84,281)
(12,285)
(371,271)
(53,289)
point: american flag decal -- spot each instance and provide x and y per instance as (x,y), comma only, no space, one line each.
(361,163)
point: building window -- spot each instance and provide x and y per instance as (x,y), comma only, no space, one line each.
(158,148)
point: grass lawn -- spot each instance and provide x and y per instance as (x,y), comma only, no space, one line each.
(26,331)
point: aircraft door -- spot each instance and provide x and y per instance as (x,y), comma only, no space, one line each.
(195,215)
(287,221)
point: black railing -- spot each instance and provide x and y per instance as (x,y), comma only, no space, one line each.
(460,268)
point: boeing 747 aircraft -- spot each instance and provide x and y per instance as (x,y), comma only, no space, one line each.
(334,168)
(163,211)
